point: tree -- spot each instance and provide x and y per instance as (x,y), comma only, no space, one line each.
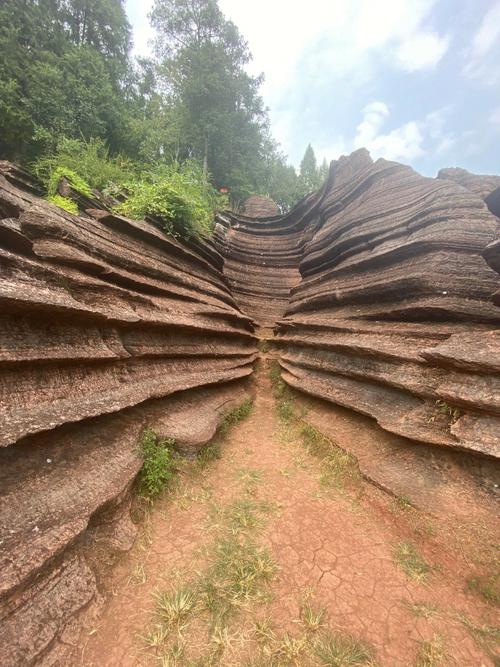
(221,115)
(308,170)
(323,171)
(61,69)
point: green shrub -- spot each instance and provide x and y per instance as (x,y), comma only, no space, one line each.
(73,179)
(159,463)
(180,196)
(89,159)
(63,202)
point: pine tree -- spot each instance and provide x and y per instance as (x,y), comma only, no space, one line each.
(309,174)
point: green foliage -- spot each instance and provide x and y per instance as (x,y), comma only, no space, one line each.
(63,202)
(178,195)
(86,164)
(69,93)
(76,182)
(158,466)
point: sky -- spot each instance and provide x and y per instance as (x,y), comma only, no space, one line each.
(417,81)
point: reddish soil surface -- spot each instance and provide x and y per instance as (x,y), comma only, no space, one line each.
(333,544)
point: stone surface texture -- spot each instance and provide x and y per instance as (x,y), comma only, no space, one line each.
(382,289)
(382,299)
(108,326)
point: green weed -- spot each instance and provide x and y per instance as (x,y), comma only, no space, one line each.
(158,463)
(335,649)
(488,586)
(408,558)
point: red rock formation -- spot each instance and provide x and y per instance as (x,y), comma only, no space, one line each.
(260,207)
(393,315)
(382,302)
(108,326)
(484,186)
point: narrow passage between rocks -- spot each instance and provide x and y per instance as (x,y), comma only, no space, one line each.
(281,552)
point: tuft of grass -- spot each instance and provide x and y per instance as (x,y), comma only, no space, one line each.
(335,649)
(289,650)
(488,586)
(209,453)
(246,514)
(263,632)
(240,573)
(312,617)
(411,562)
(285,410)
(432,653)
(158,466)
(175,606)
(263,346)
(237,415)
(422,609)
(338,465)
(487,636)
(156,636)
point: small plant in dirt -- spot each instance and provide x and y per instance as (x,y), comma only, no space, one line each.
(237,415)
(431,653)
(212,451)
(408,558)
(422,609)
(174,607)
(240,573)
(452,413)
(289,650)
(488,586)
(285,410)
(312,617)
(159,463)
(263,346)
(338,466)
(335,649)
(487,636)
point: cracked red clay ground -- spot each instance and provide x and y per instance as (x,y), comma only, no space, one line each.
(335,546)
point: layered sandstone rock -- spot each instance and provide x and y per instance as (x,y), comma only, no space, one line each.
(393,314)
(260,207)
(487,187)
(108,326)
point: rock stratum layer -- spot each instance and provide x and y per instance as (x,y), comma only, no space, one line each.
(383,292)
(108,326)
(385,303)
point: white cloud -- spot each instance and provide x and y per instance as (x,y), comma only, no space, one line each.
(483,55)
(422,50)
(327,44)
(407,142)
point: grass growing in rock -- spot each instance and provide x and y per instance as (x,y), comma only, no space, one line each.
(159,464)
